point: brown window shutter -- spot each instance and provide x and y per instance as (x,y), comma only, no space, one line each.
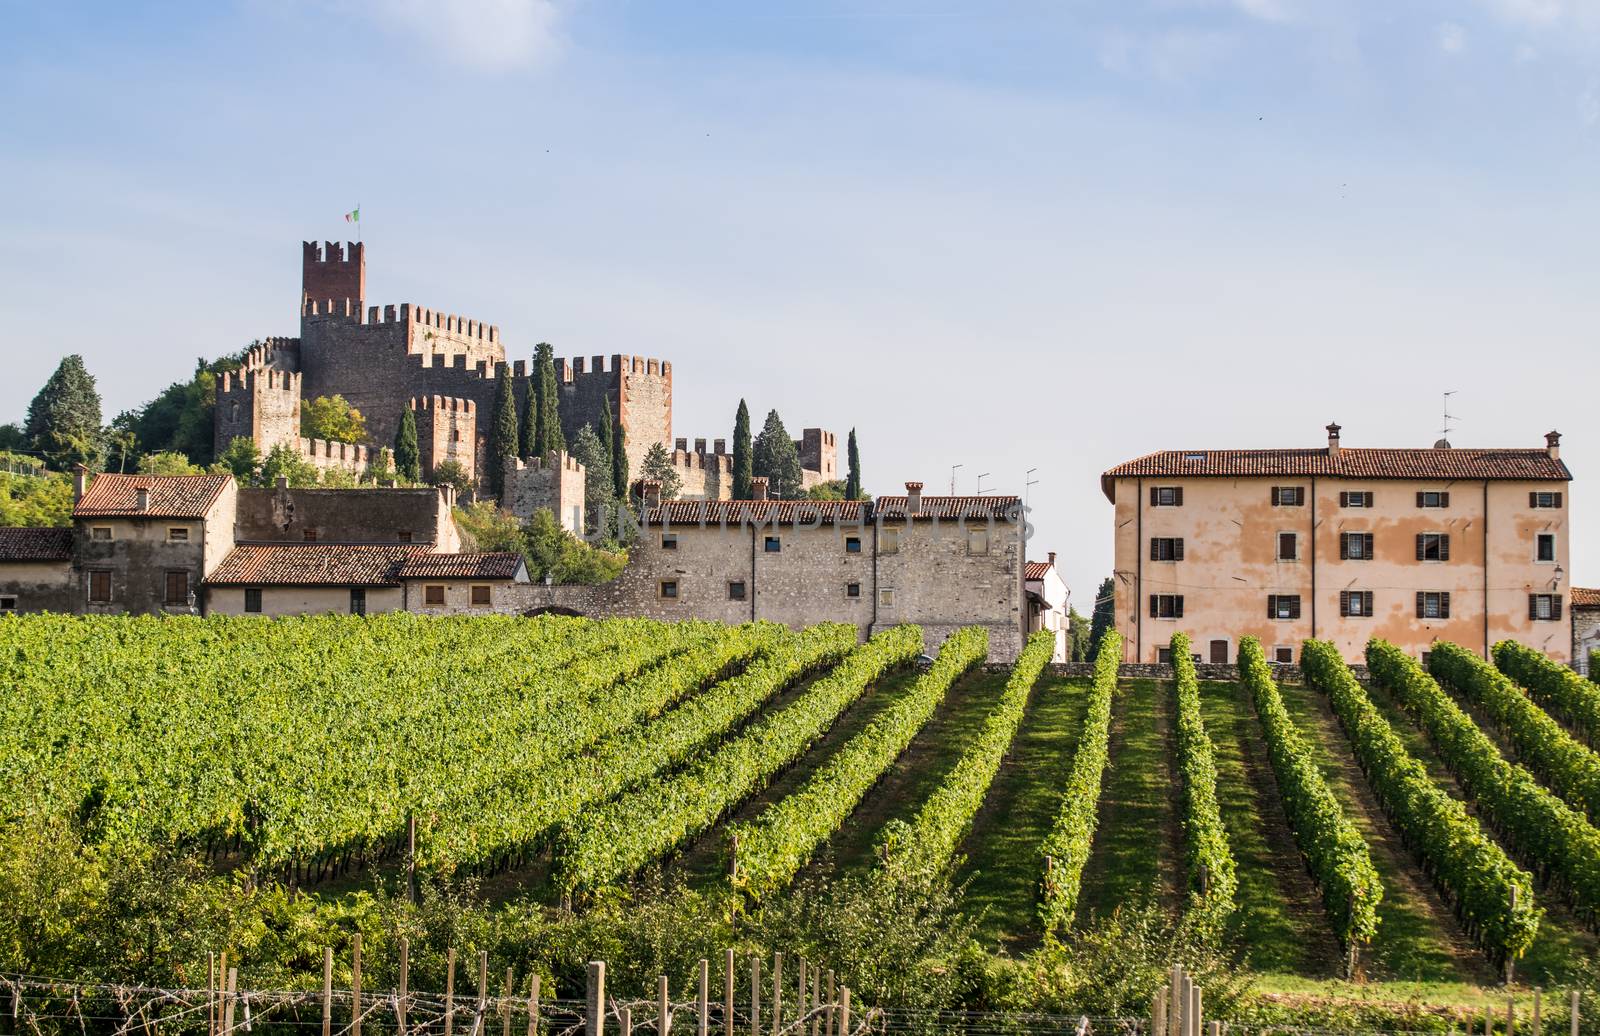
(1555,607)
(1344,603)
(1152,496)
(1177,549)
(1153,606)
(1366,543)
(1272,606)
(1420,550)
(1444,547)
(1422,610)
(1177,607)
(1275,496)
(1155,552)
(1444,606)
(1294,607)
(1444,499)
(1344,546)
(1558,499)
(1533,606)
(1533,498)
(1344,499)
(1420,497)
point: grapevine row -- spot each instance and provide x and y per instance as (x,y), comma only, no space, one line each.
(770,850)
(1212,872)
(1542,745)
(603,845)
(525,809)
(1338,856)
(1066,847)
(1536,825)
(1493,898)
(1556,687)
(929,841)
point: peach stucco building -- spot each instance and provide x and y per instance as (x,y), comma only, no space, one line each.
(1342,544)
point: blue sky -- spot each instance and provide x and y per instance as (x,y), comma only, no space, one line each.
(1005,235)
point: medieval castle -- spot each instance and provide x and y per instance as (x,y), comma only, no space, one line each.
(385,360)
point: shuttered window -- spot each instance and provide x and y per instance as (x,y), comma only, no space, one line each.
(1355,546)
(1355,603)
(1357,499)
(1544,607)
(1433,499)
(1544,500)
(1433,604)
(1166,496)
(1433,546)
(1283,606)
(1166,548)
(1288,546)
(1166,606)
(1288,496)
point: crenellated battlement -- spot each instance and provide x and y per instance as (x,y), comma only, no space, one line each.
(700,460)
(327,453)
(555,460)
(568,370)
(333,271)
(247,380)
(454,405)
(410,314)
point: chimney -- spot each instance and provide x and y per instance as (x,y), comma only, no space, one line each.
(80,481)
(141,498)
(758,488)
(447,493)
(1333,439)
(1052,556)
(283,482)
(650,491)
(913,498)
(1552,442)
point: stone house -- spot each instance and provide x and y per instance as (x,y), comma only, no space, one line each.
(1046,594)
(1342,544)
(36,573)
(358,578)
(1585,629)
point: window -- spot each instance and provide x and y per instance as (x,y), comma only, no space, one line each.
(100,587)
(310,536)
(852,544)
(852,590)
(1219,652)
(1288,546)
(1544,607)
(1163,656)
(1433,546)
(404,535)
(1433,604)
(736,590)
(1288,496)
(977,542)
(1355,546)
(669,589)
(1355,603)
(100,532)
(178,534)
(177,587)
(252,600)
(358,600)
(772,545)
(1355,499)
(1546,547)
(669,541)
(1166,606)
(433,596)
(1166,548)
(1545,500)
(886,597)
(889,541)
(1433,499)
(455,435)
(1283,655)
(1283,606)
(1166,496)
(8,605)
(481,596)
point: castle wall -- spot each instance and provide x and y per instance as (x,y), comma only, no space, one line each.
(333,271)
(554,482)
(261,404)
(447,430)
(819,457)
(705,476)
(283,515)
(640,391)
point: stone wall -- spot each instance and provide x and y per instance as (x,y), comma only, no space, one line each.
(706,475)
(261,404)
(447,430)
(1585,638)
(40,586)
(283,515)
(935,578)
(640,391)
(554,482)
(139,555)
(819,457)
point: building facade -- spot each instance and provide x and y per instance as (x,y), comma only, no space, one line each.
(1046,594)
(1585,629)
(1408,545)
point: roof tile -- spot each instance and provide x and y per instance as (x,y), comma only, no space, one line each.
(501,565)
(32,544)
(314,564)
(171,496)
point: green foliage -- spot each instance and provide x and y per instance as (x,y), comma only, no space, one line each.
(1536,825)
(658,465)
(1467,867)
(64,418)
(1557,688)
(614,840)
(1066,847)
(852,482)
(528,419)
(929,841)
(332,418)
(833,489)
(1205,839)
(242,459)
(547,421)
(486,526)
(775,845)
(1080,637)
(407,453)
(1104,616)
(41,499)
(1554,756)
(452,473)
(741,453)
(285,462)
(1337,856)
(182,416)
(597,498)
(12,437)
(553,551)
(167,462)
(502,430)
(619,460)
(775,457)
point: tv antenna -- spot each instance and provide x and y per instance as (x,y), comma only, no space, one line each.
(1444,432)
(953,468)
(1028,482)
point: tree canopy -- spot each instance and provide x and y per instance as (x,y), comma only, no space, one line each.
(775,457)
(741,453)
(852,482)
(332,418)
(502,430)
(63,421)
(597,495)
(407,453)
(657,464)
(1104,616)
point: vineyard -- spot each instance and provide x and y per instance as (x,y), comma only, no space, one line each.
(1422,824)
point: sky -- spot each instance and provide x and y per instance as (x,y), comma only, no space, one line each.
(1009,235)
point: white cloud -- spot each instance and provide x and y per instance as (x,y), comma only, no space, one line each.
(487,33)
(1452,38)
(1175,57)
(1529,12)
(1266,10)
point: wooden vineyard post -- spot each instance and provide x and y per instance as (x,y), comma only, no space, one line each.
(211,995)
(1174,1003)
(727,994)
(733,864)
(755,995)
(663,1007)
(1158,1012)
(1214,1029)
(800,1003)
(533,1007)
(400,1003)
(1185,1004)
(1538,1015)
(505,1008)
(595,1022)
(625,1021)
(327,991)
(816,1000)
(483,993)
(449,991)
(844,1011)
(1511,964)
(827,1019)
(227,1001)
(703,1001)
(777,991)
(355,984)
(1198,1014)
(1575,1016)
(1351,947)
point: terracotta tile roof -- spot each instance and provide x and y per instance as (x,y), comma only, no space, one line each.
(314,564)
(1585,598)
(462,566)
(950,507)
(1350,462)
(1035,570)
(35,544)
(756,512)
(171,496)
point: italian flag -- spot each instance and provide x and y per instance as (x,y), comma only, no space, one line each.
(353,216)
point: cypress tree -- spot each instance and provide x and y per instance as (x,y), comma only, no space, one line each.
(407,455)
(774,455)
(619,460)
(549,423)
(502,430)
(1104,616)
(604,428)
(852,482)
(64,418)
(528,432)
(741,453)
